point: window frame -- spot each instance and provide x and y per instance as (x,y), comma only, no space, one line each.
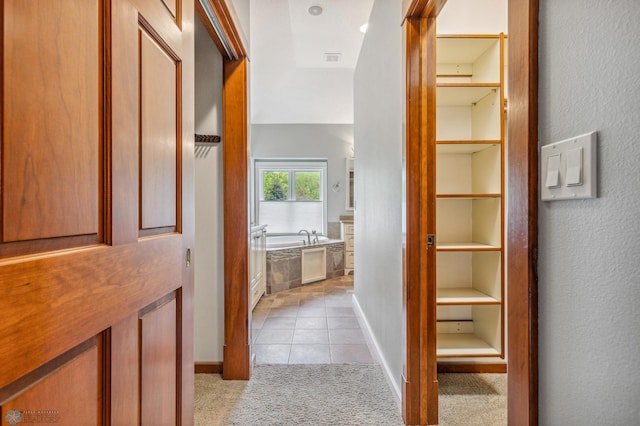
(290,165)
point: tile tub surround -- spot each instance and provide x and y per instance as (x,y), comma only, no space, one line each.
(284,266)
(334,230)
(314,324)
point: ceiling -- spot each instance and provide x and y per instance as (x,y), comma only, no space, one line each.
(335,31)
(291,79)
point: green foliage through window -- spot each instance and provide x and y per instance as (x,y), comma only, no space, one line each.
(307,186)
(276,186)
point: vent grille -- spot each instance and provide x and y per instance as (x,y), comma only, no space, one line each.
(332,57)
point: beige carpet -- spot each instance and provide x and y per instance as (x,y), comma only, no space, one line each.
(215,398)
(465,400)
(473,399)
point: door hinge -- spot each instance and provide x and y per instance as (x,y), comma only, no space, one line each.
(431,240)
(188,257)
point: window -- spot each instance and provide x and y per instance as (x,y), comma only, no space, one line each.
(291,195)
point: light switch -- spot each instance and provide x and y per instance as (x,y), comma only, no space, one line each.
(568,169)
(574,167)
(553,171)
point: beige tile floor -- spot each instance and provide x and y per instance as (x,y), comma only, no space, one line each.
(313,324)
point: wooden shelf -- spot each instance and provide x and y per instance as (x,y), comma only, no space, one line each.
(466,246)
(463,48)
(466,196)
(463,296)
(464,94)
(453,345)
(464,147)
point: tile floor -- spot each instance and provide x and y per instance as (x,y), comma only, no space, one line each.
(312,324)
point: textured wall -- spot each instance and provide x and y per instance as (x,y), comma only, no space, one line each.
(378,132)
(590,250)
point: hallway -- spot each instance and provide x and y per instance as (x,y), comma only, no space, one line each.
(312,324)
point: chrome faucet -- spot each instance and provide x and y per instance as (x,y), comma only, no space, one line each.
(308,235)
(315,237)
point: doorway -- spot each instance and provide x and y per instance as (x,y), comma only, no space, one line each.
(421,366)
(522,226)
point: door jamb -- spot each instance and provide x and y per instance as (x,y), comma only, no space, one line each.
(522,220)
(218,17)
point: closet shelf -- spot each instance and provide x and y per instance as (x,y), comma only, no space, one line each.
(454,345)
(466,246)
(463,296)
(483,86)
(464,94)
(466,196)
(464,147)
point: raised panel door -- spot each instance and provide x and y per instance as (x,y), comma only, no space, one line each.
(76,272)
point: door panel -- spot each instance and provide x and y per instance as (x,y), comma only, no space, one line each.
(54,398)
(83,82)
(51,121)
(159,68)
(158,335)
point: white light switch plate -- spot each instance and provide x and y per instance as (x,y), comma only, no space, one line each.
(578,177)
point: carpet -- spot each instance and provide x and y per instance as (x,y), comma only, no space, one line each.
(339,394)
(215,398)
(331,394)
(472,399)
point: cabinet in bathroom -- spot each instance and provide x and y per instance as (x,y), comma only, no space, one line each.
(469,180)
(257,263)
(348,238)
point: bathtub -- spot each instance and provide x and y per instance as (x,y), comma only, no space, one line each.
(286,241)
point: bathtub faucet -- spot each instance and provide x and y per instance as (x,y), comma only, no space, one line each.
(315,237)
(308,235)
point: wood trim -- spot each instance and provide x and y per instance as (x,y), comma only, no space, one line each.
(186,220)
(477,368)
(420,383)
(208,367)
(230,41)
(237,350)
(496,36)
(231,45)
(422,8)
(522,226)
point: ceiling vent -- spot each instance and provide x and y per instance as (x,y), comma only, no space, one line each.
(332,57)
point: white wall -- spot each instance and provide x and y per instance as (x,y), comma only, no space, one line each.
(473,17)
(331,141)
(589,252)
(242,9)
(284,93)
(378,131)
(208,253)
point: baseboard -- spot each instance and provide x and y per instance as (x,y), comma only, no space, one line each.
(374,348)
(208,367)
(459,367)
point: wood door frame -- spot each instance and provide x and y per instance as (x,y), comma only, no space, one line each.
(522,219)
(218,17)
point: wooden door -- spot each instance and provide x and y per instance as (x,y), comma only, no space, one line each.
(96,212)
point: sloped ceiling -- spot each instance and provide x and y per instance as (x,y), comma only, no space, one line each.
(291,80)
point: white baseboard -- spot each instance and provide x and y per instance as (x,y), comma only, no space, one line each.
(374,348)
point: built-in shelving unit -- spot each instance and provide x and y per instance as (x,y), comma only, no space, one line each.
(470,196)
